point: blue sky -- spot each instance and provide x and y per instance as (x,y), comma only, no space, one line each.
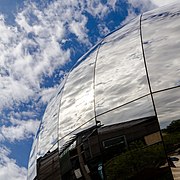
(40,41)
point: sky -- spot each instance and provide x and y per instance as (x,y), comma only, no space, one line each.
(40,41)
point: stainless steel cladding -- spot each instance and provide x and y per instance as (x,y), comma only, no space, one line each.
(116,115)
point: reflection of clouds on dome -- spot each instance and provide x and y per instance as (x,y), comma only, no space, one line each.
(120,69)
(137,109)
(110,83)
(32,159)
(162,47)
(162,52)
(48,135)
(77,104)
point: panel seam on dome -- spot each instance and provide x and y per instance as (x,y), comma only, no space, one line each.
(149,84)
(94,76)
(145,64)
(167,89)
(59,110)
(62,96)
(117,107)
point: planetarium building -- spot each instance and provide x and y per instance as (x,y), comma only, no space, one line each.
(117,115)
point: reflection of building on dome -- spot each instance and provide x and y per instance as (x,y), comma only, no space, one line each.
(113,116)
(109,143)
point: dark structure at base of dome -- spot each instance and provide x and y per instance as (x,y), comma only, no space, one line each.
(122,151)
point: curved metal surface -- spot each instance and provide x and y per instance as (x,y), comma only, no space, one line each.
(120,72)
(161,30)
(109,86)
(77,103)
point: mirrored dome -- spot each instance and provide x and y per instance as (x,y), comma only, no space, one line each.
(116,115)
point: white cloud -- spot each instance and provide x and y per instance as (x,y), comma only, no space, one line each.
(8,167)
(96,8)
(13,89)
(163,2)
(112,3)
(19,130)
(23,115)
(103,29)
(143,5)
(46,94)
(78,28)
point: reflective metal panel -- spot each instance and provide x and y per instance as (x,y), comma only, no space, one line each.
(161,41)
(48,135)
(140,108)
(167,106)
(134,150)
(32,161)
(120,136)
(130,150)
(82,147)
(120,73)
(48,167)
(77,104)
(66,140)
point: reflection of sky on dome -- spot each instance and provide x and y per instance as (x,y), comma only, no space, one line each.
(48,135)
(117,79)
(138,109)
(77,104)
(32,160)
(162,46)
(120,73)
(48,131)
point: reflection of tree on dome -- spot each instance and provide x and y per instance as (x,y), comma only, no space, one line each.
(174,126)
(171,136)
(140,162)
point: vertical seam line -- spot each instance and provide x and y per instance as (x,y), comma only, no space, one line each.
(151,93)
(146,69)
(94,76)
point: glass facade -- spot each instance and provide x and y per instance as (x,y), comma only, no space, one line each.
(116,116)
